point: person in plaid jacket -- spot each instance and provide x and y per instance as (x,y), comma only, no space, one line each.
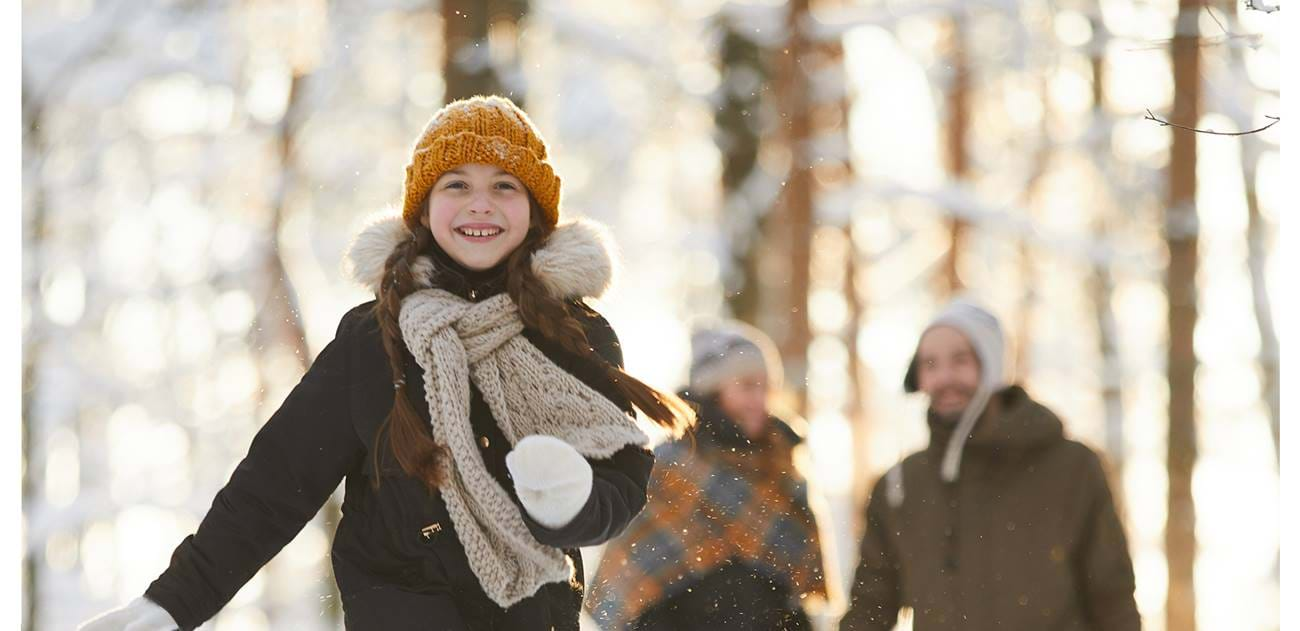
(727,539)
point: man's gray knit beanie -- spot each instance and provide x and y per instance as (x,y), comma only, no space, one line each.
(982,329)
(727,349)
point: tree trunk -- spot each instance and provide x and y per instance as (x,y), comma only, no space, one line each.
(280,315)
(834,174)
(738,135)
(955,133)
(1258,253)
(477,60)
(280,319)
(859,419)
(1259,245)
(1258,248)
(1024,334)
(791,230)
(31,352)
(1180,285)
(34,240)
(1102,281)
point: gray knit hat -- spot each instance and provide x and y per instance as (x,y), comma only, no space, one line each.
(726,349)
(982,329)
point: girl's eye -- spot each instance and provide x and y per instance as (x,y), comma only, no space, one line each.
(508,186)
(455,184)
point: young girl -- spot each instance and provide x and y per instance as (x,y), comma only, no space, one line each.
(727,540)
(477,411)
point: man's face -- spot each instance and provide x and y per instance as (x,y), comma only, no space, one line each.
(948,371)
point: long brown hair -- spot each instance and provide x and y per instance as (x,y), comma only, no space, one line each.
(408,436)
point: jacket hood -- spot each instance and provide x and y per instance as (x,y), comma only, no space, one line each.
(578,259)
(1012,421)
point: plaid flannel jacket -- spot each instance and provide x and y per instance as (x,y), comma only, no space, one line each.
(709,504)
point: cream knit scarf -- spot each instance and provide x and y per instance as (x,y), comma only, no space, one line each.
(456,342)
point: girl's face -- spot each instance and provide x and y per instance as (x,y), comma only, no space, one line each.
(478,214)
(744,401)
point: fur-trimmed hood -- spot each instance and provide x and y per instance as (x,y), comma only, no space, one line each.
(578,260)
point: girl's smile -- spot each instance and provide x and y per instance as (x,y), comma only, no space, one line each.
(478,232)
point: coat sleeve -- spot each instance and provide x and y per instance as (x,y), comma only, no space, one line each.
(874,598)
(295,462)
(1104,568)
(618,485)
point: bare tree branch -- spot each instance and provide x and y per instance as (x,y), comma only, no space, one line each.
(1210,10)
(1165,123)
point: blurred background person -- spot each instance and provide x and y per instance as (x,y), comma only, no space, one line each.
(727,539)
(1001,522)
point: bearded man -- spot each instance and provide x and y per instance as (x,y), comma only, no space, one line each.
(1001,522)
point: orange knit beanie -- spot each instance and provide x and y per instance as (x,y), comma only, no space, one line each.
(482,129)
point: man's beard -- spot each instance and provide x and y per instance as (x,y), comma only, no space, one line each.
(951,418)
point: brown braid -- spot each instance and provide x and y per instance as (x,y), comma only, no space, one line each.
(408,435)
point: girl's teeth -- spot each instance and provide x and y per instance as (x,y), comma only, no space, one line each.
(480,233)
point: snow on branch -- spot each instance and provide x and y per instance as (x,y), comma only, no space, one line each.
(959,202)
(763,24)
(1232,40)
(604,39)
(1256,5)
(833,24)
(612,44)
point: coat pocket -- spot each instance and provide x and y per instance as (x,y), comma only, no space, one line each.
(429,532)
(439,540)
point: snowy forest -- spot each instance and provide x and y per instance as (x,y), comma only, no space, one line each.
(1103,174)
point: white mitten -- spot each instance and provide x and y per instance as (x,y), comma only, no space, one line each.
(552,479)
(140,614)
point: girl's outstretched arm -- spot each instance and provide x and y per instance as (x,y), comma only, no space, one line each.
(295,462)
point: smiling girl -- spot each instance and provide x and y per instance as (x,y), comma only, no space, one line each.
(476,410)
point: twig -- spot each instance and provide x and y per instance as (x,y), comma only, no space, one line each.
(1209,9)
(1165,123)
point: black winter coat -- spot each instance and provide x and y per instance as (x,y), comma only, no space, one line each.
(397,559)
